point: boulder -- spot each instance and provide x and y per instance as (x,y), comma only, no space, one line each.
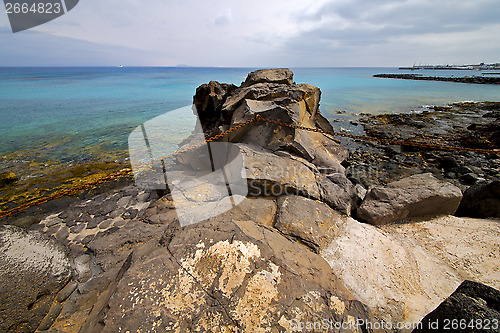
(473,307)
(312,222)
(481,200)
(277,75)
(33,269)
(413,197)
(271,175)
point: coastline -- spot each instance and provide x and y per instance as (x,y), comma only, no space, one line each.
(369,163)
(465,79)
(314,231)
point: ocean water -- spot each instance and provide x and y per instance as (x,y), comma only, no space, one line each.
(66,110)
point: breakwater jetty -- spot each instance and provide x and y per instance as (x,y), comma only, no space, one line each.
(465,79)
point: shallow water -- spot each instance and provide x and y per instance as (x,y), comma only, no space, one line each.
(64,111)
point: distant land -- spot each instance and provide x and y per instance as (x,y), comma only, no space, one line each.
(481,66)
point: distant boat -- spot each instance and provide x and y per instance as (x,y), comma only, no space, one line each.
(120,66)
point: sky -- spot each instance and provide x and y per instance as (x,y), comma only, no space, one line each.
(260,33)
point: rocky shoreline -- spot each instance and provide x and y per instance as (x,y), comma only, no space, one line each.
(363,240)
(472,79)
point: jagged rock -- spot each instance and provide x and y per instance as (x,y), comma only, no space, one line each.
(33,269)
(209,98)
(271,94)
(473,307)
(279,75)
(312,222)
(272,175)
(481,200)
(415,196)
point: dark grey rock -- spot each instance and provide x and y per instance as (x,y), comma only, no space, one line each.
(130,214)
(77,228)
(107,208)
(70,222)
(123,202)
(449,162)
(63,233)
(69,214)
(143,197)
(481,200)
(338,195)
(119,223)
(85,217)
(87,239)
(469,179)
(54,229)
(450,175)
(105,224)
(117,212)
(473,307)
(95,221)
(53,221)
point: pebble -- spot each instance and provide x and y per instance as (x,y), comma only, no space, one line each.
(77,228)
(123,202)
(105,224)
(62,234)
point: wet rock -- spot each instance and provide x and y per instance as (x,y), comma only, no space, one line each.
(473,307)
(33,269)
(481,200)
(7,178)
(415,196)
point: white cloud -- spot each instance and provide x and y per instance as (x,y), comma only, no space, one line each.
(279,32)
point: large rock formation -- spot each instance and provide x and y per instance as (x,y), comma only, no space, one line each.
(271,94)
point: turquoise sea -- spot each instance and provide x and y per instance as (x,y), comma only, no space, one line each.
(69,109)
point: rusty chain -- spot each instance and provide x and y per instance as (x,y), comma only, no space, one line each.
(256,118)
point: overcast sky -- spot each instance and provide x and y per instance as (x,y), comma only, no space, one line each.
(261,33)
